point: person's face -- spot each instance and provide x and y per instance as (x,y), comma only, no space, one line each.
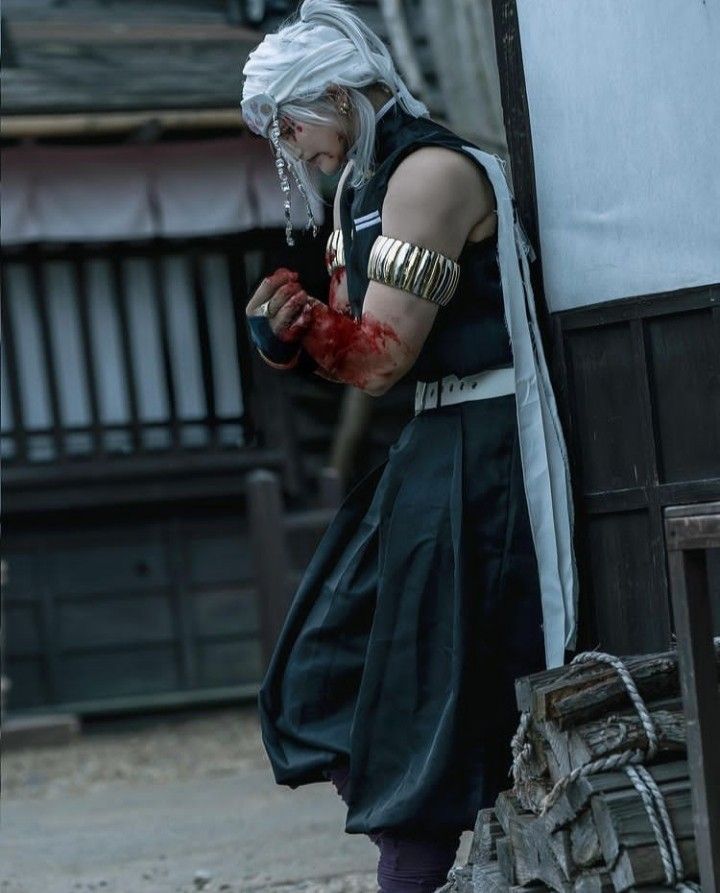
(320,145)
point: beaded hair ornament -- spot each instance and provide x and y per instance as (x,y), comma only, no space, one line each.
(261,115)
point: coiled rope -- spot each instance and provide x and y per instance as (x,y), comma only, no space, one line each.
(630,761)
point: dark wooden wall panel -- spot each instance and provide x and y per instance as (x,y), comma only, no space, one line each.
(606,401)
(22,619)
(226,612)
(229,663)
(117,673)
(639,388)
(114,621)
(216,558)
(28,681)
(81,567)
(684,353)
(159,602)
(713,566)
(626,606)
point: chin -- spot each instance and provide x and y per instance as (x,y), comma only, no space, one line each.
(330,165)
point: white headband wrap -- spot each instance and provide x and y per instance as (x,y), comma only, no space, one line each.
(302,62)
(327,45)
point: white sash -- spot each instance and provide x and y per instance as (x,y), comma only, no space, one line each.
(542,447)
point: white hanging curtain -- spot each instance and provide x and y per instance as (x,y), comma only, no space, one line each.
(107,193)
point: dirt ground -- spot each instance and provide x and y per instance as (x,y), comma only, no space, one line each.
(148,749)
(169,804)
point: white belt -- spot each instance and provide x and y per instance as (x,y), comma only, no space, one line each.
(451,389)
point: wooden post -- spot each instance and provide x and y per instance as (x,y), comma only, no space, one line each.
(516,114)
(356,411)
(267,532)
(689,531)
(275,424)
(5,684)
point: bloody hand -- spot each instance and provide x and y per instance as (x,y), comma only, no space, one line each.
(281,298)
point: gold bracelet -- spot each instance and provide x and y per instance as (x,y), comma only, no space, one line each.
(422,272)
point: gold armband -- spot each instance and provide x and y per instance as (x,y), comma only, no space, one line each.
(420,271)
(334,252)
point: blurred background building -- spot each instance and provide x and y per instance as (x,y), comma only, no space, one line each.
(138,214)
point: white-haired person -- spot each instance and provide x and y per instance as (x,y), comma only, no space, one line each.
(448,571)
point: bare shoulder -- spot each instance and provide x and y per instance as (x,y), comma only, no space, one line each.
(437,195)
(441,171)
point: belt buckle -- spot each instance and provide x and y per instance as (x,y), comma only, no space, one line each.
(420,392)
(425,397)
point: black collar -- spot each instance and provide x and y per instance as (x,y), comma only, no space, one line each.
(388,131)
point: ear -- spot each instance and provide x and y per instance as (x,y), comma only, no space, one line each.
(340,96)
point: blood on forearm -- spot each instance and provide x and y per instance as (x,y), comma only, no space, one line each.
(359,352)
(335,281)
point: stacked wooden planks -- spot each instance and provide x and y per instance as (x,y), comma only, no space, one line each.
(593,833)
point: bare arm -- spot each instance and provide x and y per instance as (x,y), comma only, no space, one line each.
(435,198)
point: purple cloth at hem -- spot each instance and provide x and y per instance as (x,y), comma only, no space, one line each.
(406,864)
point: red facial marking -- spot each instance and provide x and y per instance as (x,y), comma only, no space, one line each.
(299,128)
(351,350)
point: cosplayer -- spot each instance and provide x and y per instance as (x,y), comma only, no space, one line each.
(448,571)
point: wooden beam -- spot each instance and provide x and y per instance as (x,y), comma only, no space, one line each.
(40,126)
(114,32)
(693,529)
(234,694)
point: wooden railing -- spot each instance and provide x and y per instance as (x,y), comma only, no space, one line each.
(124,349)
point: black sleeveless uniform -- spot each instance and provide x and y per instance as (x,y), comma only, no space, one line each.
(421,604)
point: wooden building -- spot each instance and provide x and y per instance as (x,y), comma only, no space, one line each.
(137,214)
(612,117)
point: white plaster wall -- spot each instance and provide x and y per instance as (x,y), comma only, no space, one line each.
(624,100)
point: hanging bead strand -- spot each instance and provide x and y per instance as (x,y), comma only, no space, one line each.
(281,167)
(311,222)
